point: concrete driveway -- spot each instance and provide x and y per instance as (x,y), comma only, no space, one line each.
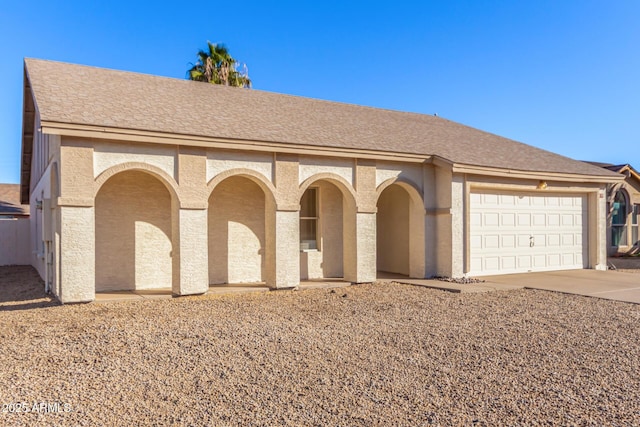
(614,285)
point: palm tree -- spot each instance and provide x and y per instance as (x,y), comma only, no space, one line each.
(216,65)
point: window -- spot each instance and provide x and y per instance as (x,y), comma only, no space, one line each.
(635,218)
(619,220)
(309,219)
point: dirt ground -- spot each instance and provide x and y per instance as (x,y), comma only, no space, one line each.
(378,354)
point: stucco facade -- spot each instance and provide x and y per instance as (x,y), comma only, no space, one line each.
(212,219)
(315,190)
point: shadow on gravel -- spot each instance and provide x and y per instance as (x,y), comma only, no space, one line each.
(22,289)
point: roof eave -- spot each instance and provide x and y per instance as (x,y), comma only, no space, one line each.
(132,135)
(514,173)
(152,137)
(28,120)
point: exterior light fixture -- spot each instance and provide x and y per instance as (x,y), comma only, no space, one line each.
(541,185)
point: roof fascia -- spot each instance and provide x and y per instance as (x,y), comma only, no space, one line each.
(631,170)
(128,135)
(510,173)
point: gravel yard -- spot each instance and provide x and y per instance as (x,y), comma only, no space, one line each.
(379,354)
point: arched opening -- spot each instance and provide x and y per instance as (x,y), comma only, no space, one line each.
(133,217)
(392,231)
(400,231)
(238,232)
(327,231)
(619,215)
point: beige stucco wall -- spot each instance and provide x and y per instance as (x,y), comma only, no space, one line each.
(195,223)
(219,161)
(77,254)
(109,154)
(236,232)
(15,248)
(310,166)
(40,218)
(409,172)
(133,233)
(393,231)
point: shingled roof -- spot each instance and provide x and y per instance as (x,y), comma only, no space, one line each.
(82,95)
(10,201)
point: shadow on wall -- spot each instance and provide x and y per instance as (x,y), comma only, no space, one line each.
(22,289)
(236,228)
(133,233)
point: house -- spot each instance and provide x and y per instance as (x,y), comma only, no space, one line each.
(151,182)
(623,210)
(14,227)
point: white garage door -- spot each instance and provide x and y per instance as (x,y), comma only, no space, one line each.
(515,233)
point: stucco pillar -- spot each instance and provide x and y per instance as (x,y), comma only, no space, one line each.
(430,224)
(597,203)
(191,275)
(283,242)
(190,254)
(449,219)
(365,252)
(77,222)
(283,236)
(458,238)
(360,249)
(77,254)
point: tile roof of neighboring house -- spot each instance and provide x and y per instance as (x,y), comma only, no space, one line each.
(10,201)
(82,95)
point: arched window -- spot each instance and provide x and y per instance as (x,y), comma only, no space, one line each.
(619,220)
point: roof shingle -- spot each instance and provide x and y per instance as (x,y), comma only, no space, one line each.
(10,201)
(75,94)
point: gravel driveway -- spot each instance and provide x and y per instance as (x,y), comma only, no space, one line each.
(380,354)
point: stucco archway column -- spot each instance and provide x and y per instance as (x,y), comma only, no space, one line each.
(362,255)
(190,251)
(364,227)
(77,223)
(283,237)
(190,255)
(445,214)
(283,247)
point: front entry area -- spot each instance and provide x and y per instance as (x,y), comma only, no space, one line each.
(525,232)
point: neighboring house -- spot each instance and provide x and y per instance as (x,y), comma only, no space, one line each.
(14,227)
(152,182)
(623,208)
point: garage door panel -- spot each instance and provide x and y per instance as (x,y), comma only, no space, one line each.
(491,219)
(508,241)
(553,239)
(508,262)
(512,233)
(539,261)
(491,242)
(539,241)
(508,219)
(568,259)
(524,262)
(492,263)
(553,260)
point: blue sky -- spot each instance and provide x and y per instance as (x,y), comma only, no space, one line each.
(560,75)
